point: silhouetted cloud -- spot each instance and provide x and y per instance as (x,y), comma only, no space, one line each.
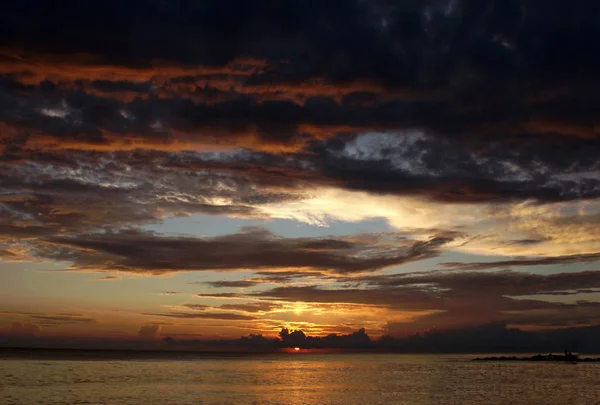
(62,319)
(254,248)
(36,320)
(504,282)
(496,338)
(297,338)
(284,277)
(219,295)
(205,315)
(107,278)
(149,332)
(526,242)
(252,307)
(459,299)
(196,307)
(23,330)
(493,337)
(232,284)
(538,261)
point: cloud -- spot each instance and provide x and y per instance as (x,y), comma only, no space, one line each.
(205,315)
(232,284)
(183,33)
(285,277)
(196,307)
(107,278)
(539,261)
(149,332)
(254,248)
(36,320)
(397,158)
(64,319)
(497,337)
(297,338)
(24,330)
(489,337)
(489,114)
(219,295)
(503,283)
(526,242)
(452,299)
(407,299)
(252,307)
(358,339)
(466,118)
(72,196)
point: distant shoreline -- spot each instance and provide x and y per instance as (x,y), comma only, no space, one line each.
(569,358)
(40,353)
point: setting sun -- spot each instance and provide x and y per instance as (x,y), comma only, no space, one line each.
(296,349)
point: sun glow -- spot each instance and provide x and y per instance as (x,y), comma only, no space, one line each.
(296,349)
(299,307)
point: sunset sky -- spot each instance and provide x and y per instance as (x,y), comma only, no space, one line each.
(212,169)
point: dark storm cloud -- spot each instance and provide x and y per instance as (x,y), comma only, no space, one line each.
(254,248)
(494,86)
(108,86)
(395,42)
(487,63)
(441,170)
(214,32)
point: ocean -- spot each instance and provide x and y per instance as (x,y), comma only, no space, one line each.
(293,378)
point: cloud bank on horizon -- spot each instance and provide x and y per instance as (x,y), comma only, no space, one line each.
(231,167)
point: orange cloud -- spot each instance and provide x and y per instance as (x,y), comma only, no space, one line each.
(563,128)
(33,69)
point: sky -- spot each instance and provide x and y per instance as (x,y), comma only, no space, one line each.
(213,169)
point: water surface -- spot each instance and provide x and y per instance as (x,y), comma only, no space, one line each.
(296,379)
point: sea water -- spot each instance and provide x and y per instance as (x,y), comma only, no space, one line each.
(291,379)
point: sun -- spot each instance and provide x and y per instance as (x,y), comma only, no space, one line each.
(296,349)
(299,307)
